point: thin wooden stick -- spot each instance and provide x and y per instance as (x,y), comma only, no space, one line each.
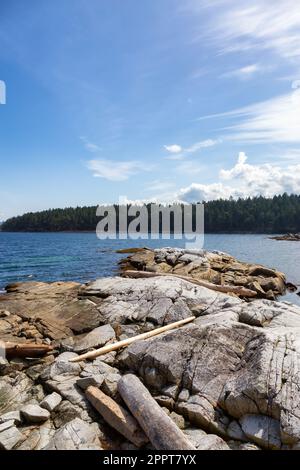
(127,341)
(238,290)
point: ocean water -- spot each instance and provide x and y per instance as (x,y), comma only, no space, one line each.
(83,257)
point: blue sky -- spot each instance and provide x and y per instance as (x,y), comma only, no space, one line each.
(150,100)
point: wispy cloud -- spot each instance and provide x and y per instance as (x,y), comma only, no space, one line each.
(90,146)
(243,73)
(273,121)
(261,24)
(179,153)
(113,170)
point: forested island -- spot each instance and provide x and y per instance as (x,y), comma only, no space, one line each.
(280,214)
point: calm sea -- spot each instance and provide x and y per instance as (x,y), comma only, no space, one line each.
(82,257)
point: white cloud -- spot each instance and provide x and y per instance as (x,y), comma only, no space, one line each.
(199,145)
(260,24)
(203,192)
(246,180)
(183,152)
(274,120)
(90,146)
(174,148)
(243,73)
(242,180)
(115,171)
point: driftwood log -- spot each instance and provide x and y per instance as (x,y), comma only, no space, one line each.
(238,290)
(116,416)
(127,341)
(162,432)
(24,349)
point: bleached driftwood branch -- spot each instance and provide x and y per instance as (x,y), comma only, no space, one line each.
(157,425)
(127,341)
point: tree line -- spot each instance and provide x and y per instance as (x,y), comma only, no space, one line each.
(280,214)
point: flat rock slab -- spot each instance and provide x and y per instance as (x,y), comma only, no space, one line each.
(34,414)
(152,302)
(75,435)
(51,401)
(15,416)
(10,436)
(94,339)
(54,309)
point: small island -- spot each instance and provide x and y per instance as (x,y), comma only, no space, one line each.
(289,237)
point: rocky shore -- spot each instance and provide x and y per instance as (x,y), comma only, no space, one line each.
(291,237)
(228,380)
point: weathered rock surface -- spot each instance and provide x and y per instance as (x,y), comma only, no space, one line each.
(9,435)
(229,380)
(51,402)
(226,371)
(263,430)
(18,389)
(37,437)
(75,435)
(14,416)
(34,414)
(203,441)
(215,267)
(147,303)
(94,339)
(46,310)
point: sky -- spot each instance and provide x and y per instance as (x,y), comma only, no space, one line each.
(153,100)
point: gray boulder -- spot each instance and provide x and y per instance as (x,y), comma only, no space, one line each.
(51,401)
(34,414)
(75,435)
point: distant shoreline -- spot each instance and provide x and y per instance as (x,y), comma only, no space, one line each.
(94,231)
